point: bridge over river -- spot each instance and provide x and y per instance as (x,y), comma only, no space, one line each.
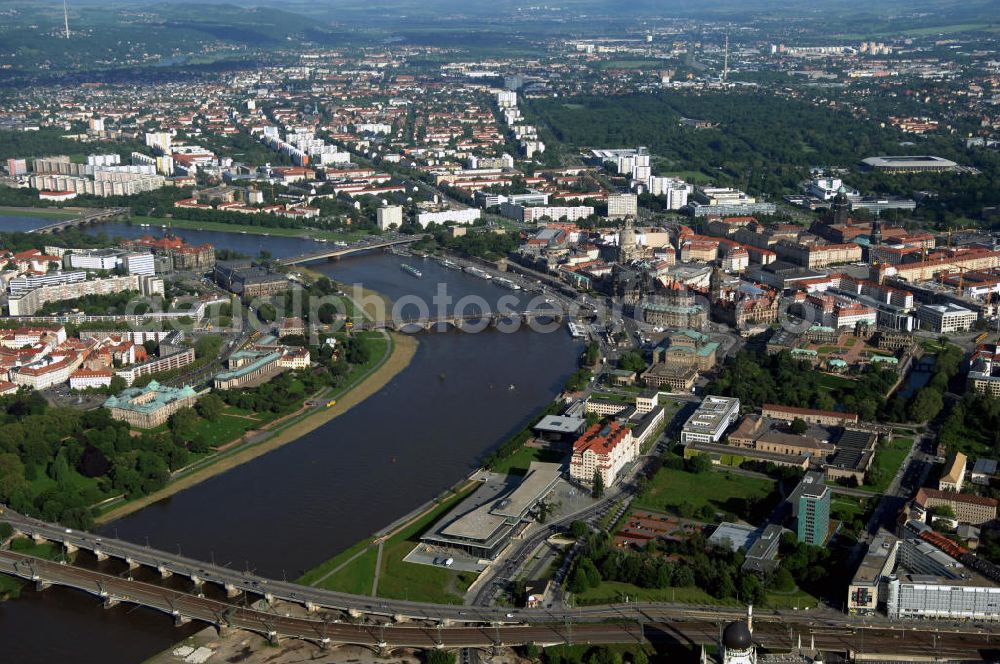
(367,244)
(330,617)
(85,219)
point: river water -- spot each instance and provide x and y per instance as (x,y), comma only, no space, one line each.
(290,509)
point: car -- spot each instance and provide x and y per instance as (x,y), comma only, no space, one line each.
(510,615)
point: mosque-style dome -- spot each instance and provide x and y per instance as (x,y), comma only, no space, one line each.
(736,636)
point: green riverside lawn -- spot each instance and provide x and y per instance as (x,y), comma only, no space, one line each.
(355,567)
(45,213)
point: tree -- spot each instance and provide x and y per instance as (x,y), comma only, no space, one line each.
(210,406)
(926,405)
(598,490)
(632,361)
(799,426)
(440,657)
(183,424)
(578,582)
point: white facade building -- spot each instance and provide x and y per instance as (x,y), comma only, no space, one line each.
(389,216)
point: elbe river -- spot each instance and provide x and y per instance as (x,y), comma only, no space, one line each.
(296,506)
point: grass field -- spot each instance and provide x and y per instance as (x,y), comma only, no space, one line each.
(229,426)
(399,580)
(888,458)
(46,550)
(45,213)
(677,490)
(830,382)
(846,508)
(518,462)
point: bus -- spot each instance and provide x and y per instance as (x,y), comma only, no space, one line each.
(979,338)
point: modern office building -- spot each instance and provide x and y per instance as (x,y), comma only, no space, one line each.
(708,424)
(483,524)
(946,318)
(811,509)
(868,590)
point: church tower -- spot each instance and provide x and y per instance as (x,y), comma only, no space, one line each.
(628,249)
(841,207)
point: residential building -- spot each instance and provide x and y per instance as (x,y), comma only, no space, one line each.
(169,362)
(48,371)
(460,217)
(389,216)
(85,379)
(604,449)
(622,205)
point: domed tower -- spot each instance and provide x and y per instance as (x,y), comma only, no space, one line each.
(736,644)
(628,250)
(841,207)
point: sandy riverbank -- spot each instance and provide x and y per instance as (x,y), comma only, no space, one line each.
(404,348)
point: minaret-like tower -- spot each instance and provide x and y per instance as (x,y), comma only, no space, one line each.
(66,18)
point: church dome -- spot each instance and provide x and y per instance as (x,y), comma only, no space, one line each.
(737,636)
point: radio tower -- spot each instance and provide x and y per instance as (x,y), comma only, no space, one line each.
(725,62)
(66,18)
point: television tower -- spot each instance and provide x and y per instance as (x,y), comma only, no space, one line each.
(725,62)
(66,18)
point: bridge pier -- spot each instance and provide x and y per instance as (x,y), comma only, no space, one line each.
(164,572)
(100,555)
(354,613)
(38,539)
(131,564)
(311,607)
(70,548)
(180,620)
(269,598)
(231,590)
(272,637)
(197,581)
(110,602)
(41,585)
(400,618)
